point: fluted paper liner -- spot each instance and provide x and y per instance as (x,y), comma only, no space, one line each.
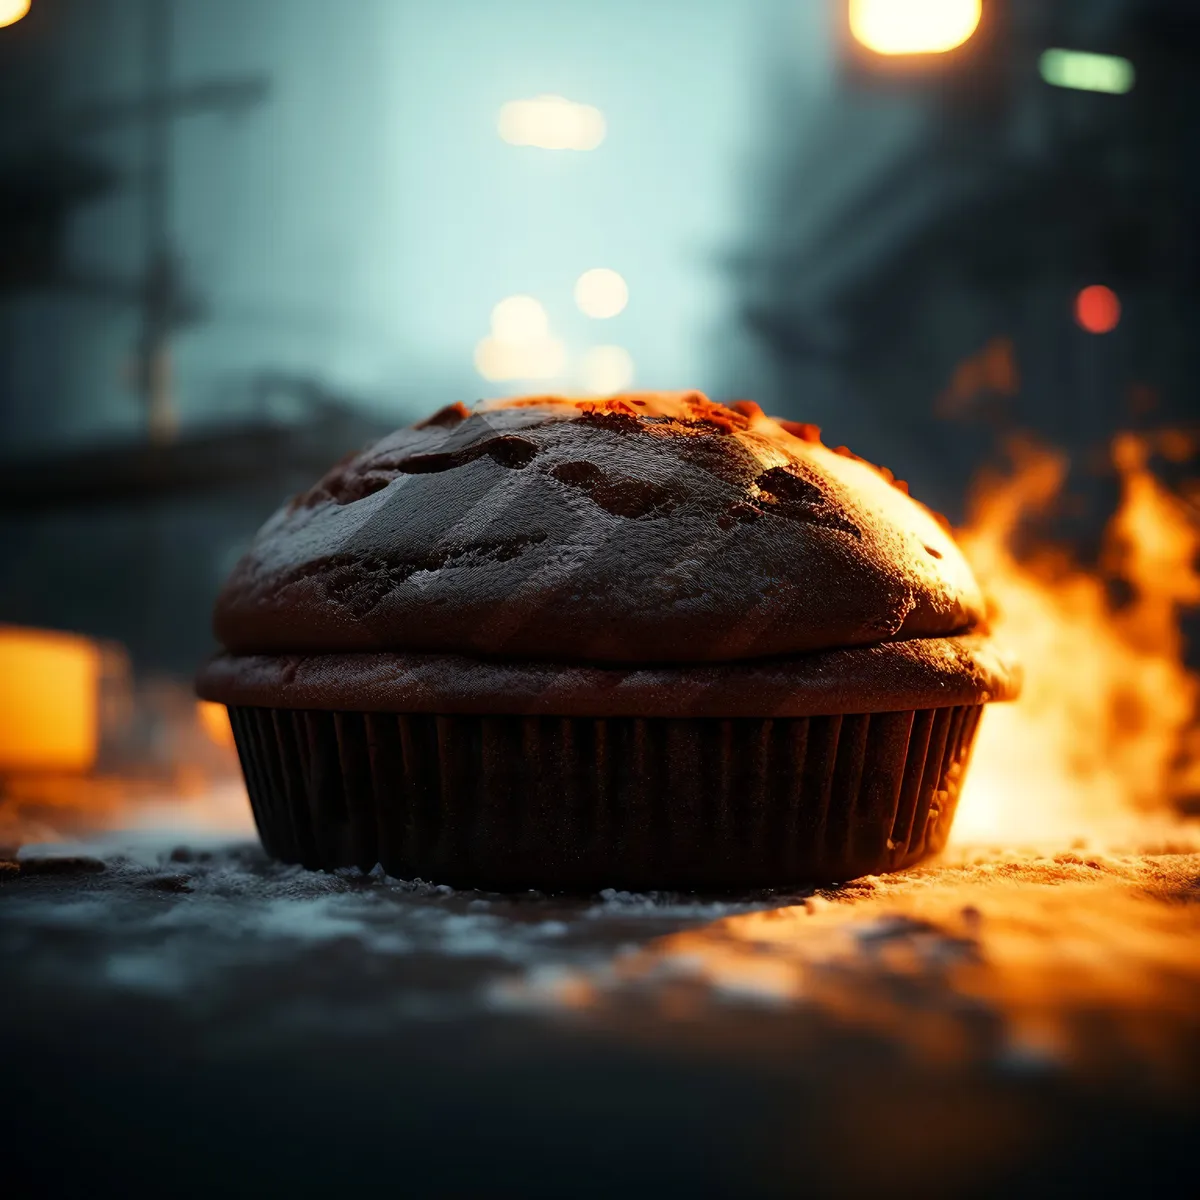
(578,804)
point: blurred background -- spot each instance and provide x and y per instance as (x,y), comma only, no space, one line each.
(238,240)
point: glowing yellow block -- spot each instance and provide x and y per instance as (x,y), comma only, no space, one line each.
(11,11)
(914,26)
(49,693)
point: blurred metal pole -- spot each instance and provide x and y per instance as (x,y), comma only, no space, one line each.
(160,278)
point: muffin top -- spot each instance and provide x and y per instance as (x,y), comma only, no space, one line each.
(654,527)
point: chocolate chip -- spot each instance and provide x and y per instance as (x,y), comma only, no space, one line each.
(508,450)
(620,495)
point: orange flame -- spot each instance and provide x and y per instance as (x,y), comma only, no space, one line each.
(1103,727)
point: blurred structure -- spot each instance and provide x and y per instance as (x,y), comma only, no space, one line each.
(50,171)
(164,298)
(128,540)
(1003,233)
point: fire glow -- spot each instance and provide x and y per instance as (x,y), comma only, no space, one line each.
(1105,727)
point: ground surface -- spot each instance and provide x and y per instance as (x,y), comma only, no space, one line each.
(180,1015)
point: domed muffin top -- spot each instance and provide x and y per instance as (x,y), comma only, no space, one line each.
(655,527)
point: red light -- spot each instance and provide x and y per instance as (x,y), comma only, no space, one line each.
(1097,309)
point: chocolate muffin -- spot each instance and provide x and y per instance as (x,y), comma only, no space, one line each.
(649,642)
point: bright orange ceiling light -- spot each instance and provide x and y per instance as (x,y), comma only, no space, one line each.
(897,27)
(11,11)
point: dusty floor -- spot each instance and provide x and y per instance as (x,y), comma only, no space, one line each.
(179,1014)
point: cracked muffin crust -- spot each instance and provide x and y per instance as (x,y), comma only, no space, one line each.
(660,528)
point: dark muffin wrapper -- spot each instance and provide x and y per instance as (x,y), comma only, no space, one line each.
(580,803)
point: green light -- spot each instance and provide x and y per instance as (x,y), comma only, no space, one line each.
(1087,72)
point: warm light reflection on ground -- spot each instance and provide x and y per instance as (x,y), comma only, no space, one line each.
(1080,958)
(57,808)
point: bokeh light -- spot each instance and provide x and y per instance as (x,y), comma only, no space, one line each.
(552,123)
(520,345)
(605,370)
(1097,309)
(601,293)
(499,360)
(49,696)
(1086,72)
(914,26)
(11,11)
(519,319)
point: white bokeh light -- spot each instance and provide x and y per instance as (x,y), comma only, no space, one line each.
(601,293)
(551,123)
(520,345)
(498,360)
(519,319)
(605,370)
